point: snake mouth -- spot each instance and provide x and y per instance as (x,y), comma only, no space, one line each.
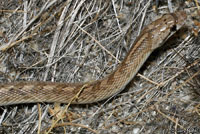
(180,18)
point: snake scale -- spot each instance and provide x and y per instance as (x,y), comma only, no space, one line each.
(151,37)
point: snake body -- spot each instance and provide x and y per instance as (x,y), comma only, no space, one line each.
(152,37)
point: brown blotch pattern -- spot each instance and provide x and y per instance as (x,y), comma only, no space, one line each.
(25,92)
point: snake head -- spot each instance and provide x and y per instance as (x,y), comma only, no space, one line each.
(165,27)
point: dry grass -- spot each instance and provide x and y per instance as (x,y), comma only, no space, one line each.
(83,40)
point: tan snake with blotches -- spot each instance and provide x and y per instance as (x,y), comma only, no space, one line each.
(152,37)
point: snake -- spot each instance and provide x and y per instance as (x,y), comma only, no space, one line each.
(153,36)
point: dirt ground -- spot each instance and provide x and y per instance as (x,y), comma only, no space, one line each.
(85,40)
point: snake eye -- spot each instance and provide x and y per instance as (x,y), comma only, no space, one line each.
(174,28)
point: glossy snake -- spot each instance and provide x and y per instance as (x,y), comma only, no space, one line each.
(152,37)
